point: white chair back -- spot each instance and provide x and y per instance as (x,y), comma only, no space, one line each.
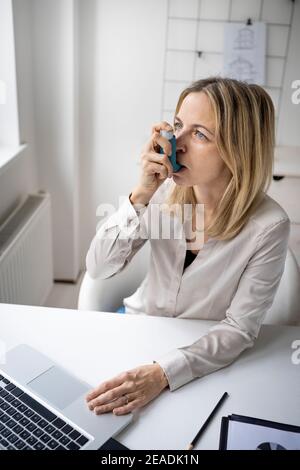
(285,309)
(107,295)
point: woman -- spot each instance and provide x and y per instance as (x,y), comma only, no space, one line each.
(225,139)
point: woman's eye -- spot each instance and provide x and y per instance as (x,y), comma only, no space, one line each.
(200,135)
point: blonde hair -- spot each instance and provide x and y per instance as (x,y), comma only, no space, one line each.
(244,123)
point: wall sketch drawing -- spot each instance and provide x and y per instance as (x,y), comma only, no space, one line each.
(242,69)
(244,38)
(245,51)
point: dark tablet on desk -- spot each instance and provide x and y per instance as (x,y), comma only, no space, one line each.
(248,433)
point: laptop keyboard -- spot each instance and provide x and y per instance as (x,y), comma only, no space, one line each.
(25,424)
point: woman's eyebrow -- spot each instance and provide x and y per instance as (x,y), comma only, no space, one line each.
(195,125)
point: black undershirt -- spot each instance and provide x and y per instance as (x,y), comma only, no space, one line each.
(189,258)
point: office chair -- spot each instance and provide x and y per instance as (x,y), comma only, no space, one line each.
(107,294)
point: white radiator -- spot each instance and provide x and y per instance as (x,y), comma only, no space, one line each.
(26,266)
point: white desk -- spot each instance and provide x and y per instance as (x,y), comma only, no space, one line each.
(263,382)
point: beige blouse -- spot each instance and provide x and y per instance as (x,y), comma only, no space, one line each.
(232,281)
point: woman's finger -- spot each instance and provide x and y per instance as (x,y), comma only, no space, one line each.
(154,168)
(162,160)
(156,143)
(160,141)
(163,125)
(109,396)
(106,408)
(105,387)
(124,400)
(125,409)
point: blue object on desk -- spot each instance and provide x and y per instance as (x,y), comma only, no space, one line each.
(121,309)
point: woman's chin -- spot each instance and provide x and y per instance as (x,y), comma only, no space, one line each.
(179,176)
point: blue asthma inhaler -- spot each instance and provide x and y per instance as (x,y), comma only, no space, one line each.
(171,137)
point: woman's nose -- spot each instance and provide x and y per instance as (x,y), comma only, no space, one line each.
(180,144)
(180,136)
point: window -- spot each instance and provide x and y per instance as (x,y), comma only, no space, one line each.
(9,124)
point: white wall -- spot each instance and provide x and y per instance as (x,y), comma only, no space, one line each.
(198,25)
(120,58)
(119,46)
(289,118)
(122,46)
(54,71)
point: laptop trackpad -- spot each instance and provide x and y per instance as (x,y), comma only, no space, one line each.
(58,387)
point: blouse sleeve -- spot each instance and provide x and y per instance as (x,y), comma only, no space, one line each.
(117,241)
(254,296)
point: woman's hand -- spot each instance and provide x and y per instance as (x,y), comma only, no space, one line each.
(128,391)
(156,167)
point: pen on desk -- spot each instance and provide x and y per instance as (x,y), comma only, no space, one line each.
(202,429)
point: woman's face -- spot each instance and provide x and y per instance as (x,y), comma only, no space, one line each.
(194,128)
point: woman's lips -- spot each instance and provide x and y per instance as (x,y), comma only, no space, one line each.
(180,171)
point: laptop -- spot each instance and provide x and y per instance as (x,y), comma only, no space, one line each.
(43,407)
